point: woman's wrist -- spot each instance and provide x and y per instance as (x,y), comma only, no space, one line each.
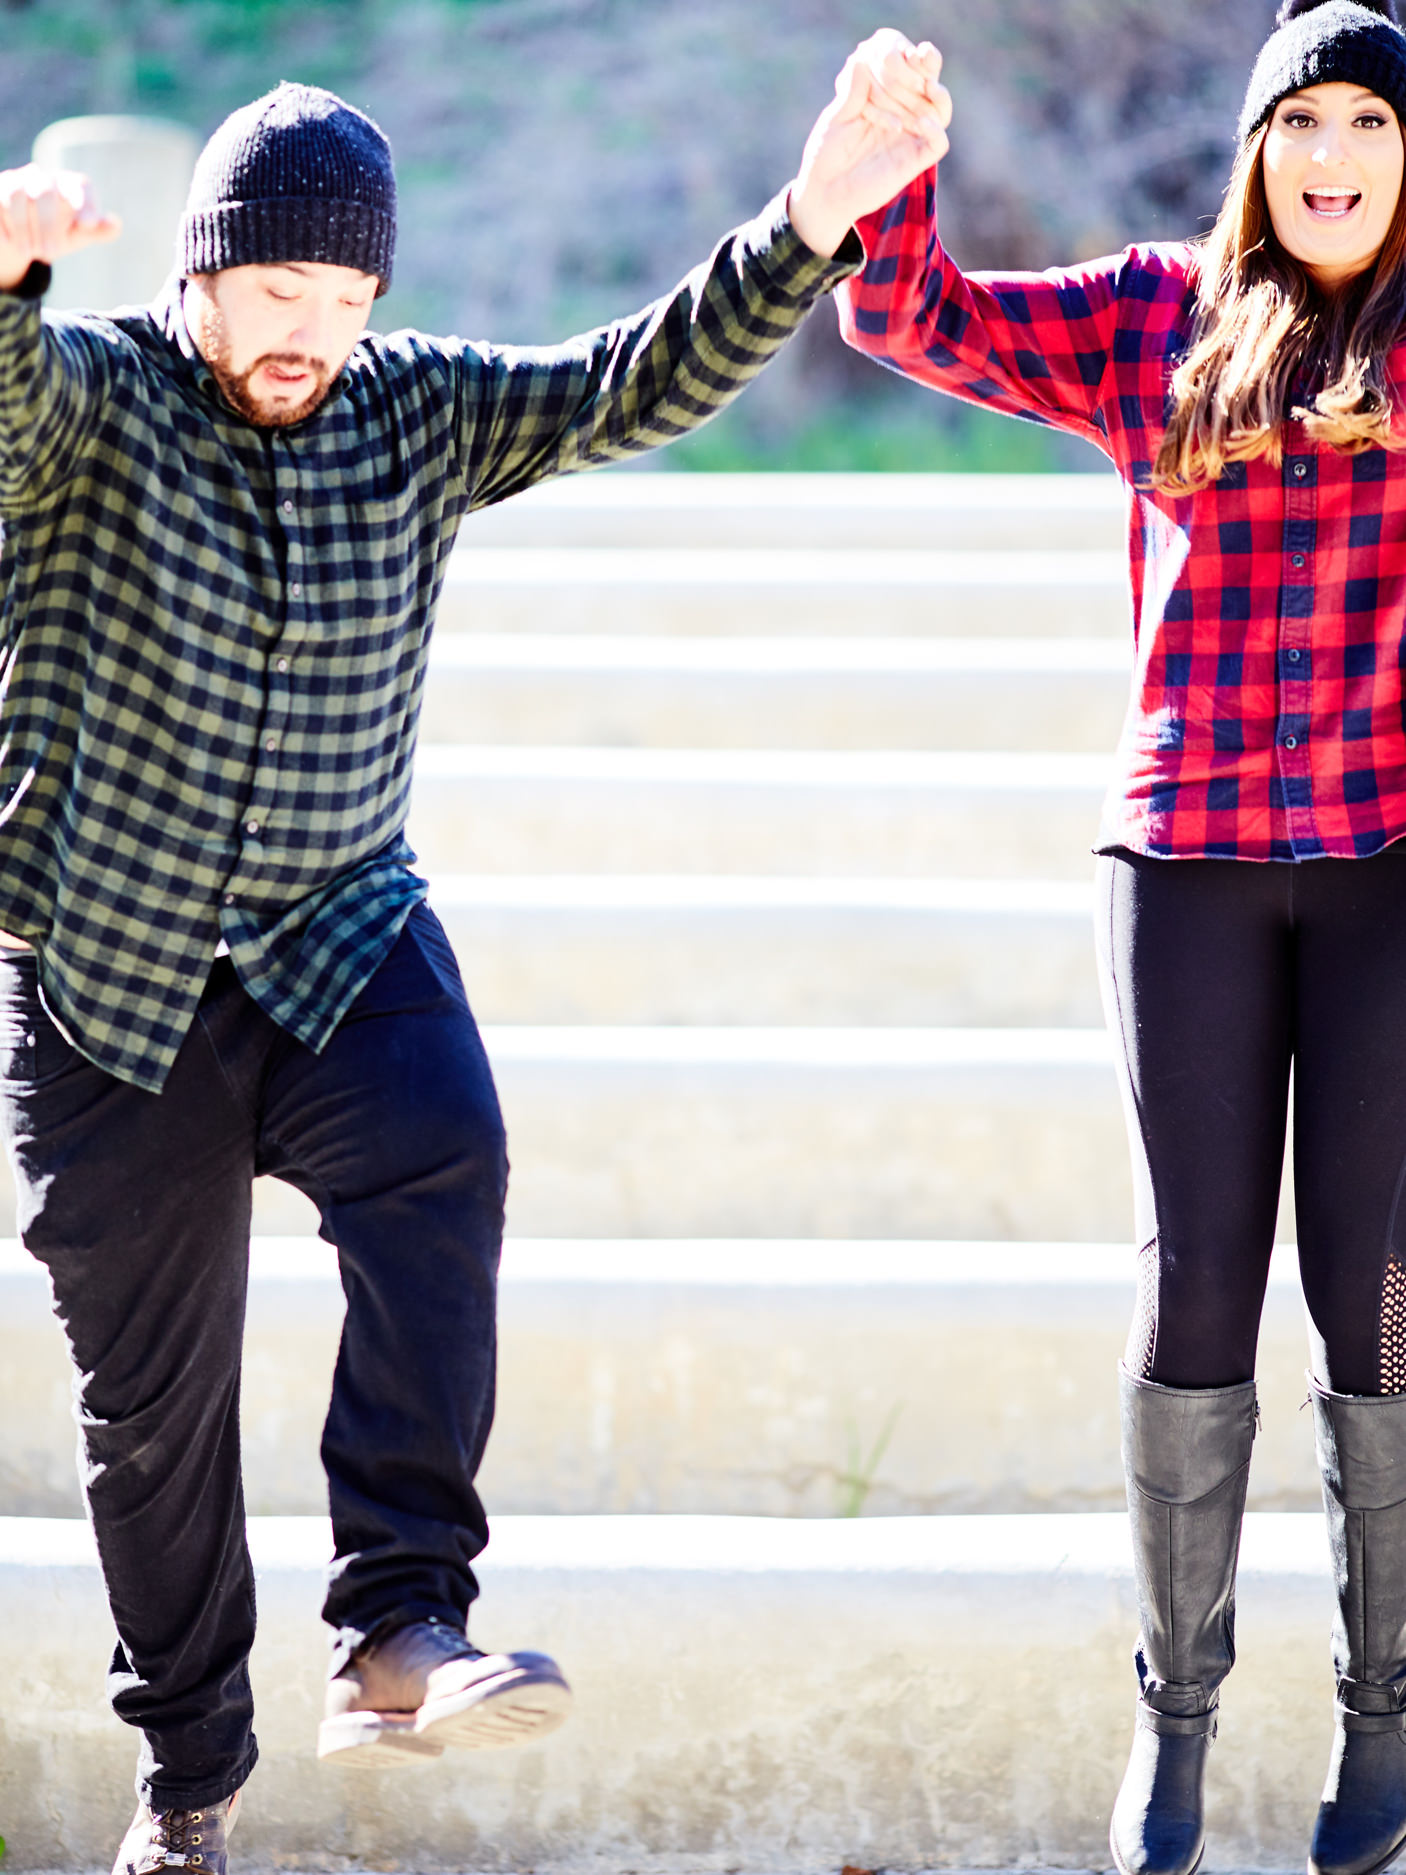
(822,232)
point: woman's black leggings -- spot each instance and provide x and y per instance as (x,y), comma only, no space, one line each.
(1218,975)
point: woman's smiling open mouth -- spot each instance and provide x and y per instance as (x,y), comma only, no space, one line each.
(1332,203)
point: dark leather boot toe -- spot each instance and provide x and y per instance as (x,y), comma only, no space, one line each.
(1158,1825)
(1361,1824)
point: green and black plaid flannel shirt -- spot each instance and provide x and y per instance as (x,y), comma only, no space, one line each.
(214,635)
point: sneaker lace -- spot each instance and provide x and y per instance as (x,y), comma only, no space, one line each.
(453,1643)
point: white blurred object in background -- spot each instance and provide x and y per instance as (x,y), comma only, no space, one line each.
(141,169)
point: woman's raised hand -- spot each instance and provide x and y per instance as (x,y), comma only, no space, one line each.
(45,214)
(887,123)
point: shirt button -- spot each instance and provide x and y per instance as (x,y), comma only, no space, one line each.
(1294,656)
(1298,559)
(1300,470)
(229,898)
(1290,742)
(271,742)
(252,826)
(296,590)
(287,507)
(282,665)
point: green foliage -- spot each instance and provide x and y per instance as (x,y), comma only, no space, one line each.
(861,435)
(857,1481)
(263,12)
(155,83)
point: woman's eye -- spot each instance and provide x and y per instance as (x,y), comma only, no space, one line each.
(1370,120)
(1298,120)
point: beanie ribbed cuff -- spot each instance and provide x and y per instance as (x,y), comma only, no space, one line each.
(284,228)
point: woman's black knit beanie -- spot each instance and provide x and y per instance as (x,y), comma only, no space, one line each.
(1319,42)
(296,175)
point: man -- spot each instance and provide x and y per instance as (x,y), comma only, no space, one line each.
(226,521)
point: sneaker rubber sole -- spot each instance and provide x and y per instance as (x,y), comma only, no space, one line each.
(374,1741)
(524,1700)
(520,1698)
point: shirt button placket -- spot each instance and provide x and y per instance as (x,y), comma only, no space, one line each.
(286,516)
(276,695)
(255,823)
(1294,672)
(270,744)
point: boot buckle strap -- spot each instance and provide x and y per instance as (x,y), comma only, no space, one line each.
(1352,1721)
(1368,1706)
(1177,1724)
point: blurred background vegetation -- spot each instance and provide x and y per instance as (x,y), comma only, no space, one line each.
(562,161)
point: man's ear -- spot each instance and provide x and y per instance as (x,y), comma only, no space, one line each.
(201,310)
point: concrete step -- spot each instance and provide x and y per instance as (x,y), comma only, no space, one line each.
(757,1694)
(722,591)
(630,508)
(777,693)
(743,1377)
(793,1132)
(991,1134)
(976,815)
(693,948)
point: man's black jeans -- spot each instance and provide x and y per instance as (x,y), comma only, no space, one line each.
(139,1204)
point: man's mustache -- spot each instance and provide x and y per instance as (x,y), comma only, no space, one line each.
(289,361)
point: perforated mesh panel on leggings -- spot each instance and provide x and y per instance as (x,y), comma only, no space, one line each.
(1142,1336)
(1393,1332)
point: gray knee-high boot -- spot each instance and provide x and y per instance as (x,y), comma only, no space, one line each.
(1187,1459)
(1362,1456)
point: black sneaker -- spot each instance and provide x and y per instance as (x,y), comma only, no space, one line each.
(423,1687)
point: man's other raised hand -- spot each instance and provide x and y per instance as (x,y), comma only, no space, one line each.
(45,214)
(887,124)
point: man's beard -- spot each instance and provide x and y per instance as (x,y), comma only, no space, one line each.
(271,416)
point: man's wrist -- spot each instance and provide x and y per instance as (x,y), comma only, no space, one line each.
(33,283)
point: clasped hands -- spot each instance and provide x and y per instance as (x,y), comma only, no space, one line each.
(887,124)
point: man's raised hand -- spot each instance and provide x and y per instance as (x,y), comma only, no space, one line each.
(45,214)
(887,123)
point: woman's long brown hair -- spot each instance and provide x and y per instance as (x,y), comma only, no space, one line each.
(1265,329)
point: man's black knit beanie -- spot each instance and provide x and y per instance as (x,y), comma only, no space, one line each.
(296,175)
(1319,42)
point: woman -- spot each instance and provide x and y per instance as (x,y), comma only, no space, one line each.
(1249,390)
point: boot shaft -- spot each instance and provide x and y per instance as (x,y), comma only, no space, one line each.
(1361,1443)
(1186,1457)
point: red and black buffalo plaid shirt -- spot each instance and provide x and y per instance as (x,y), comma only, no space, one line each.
(1266,712)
